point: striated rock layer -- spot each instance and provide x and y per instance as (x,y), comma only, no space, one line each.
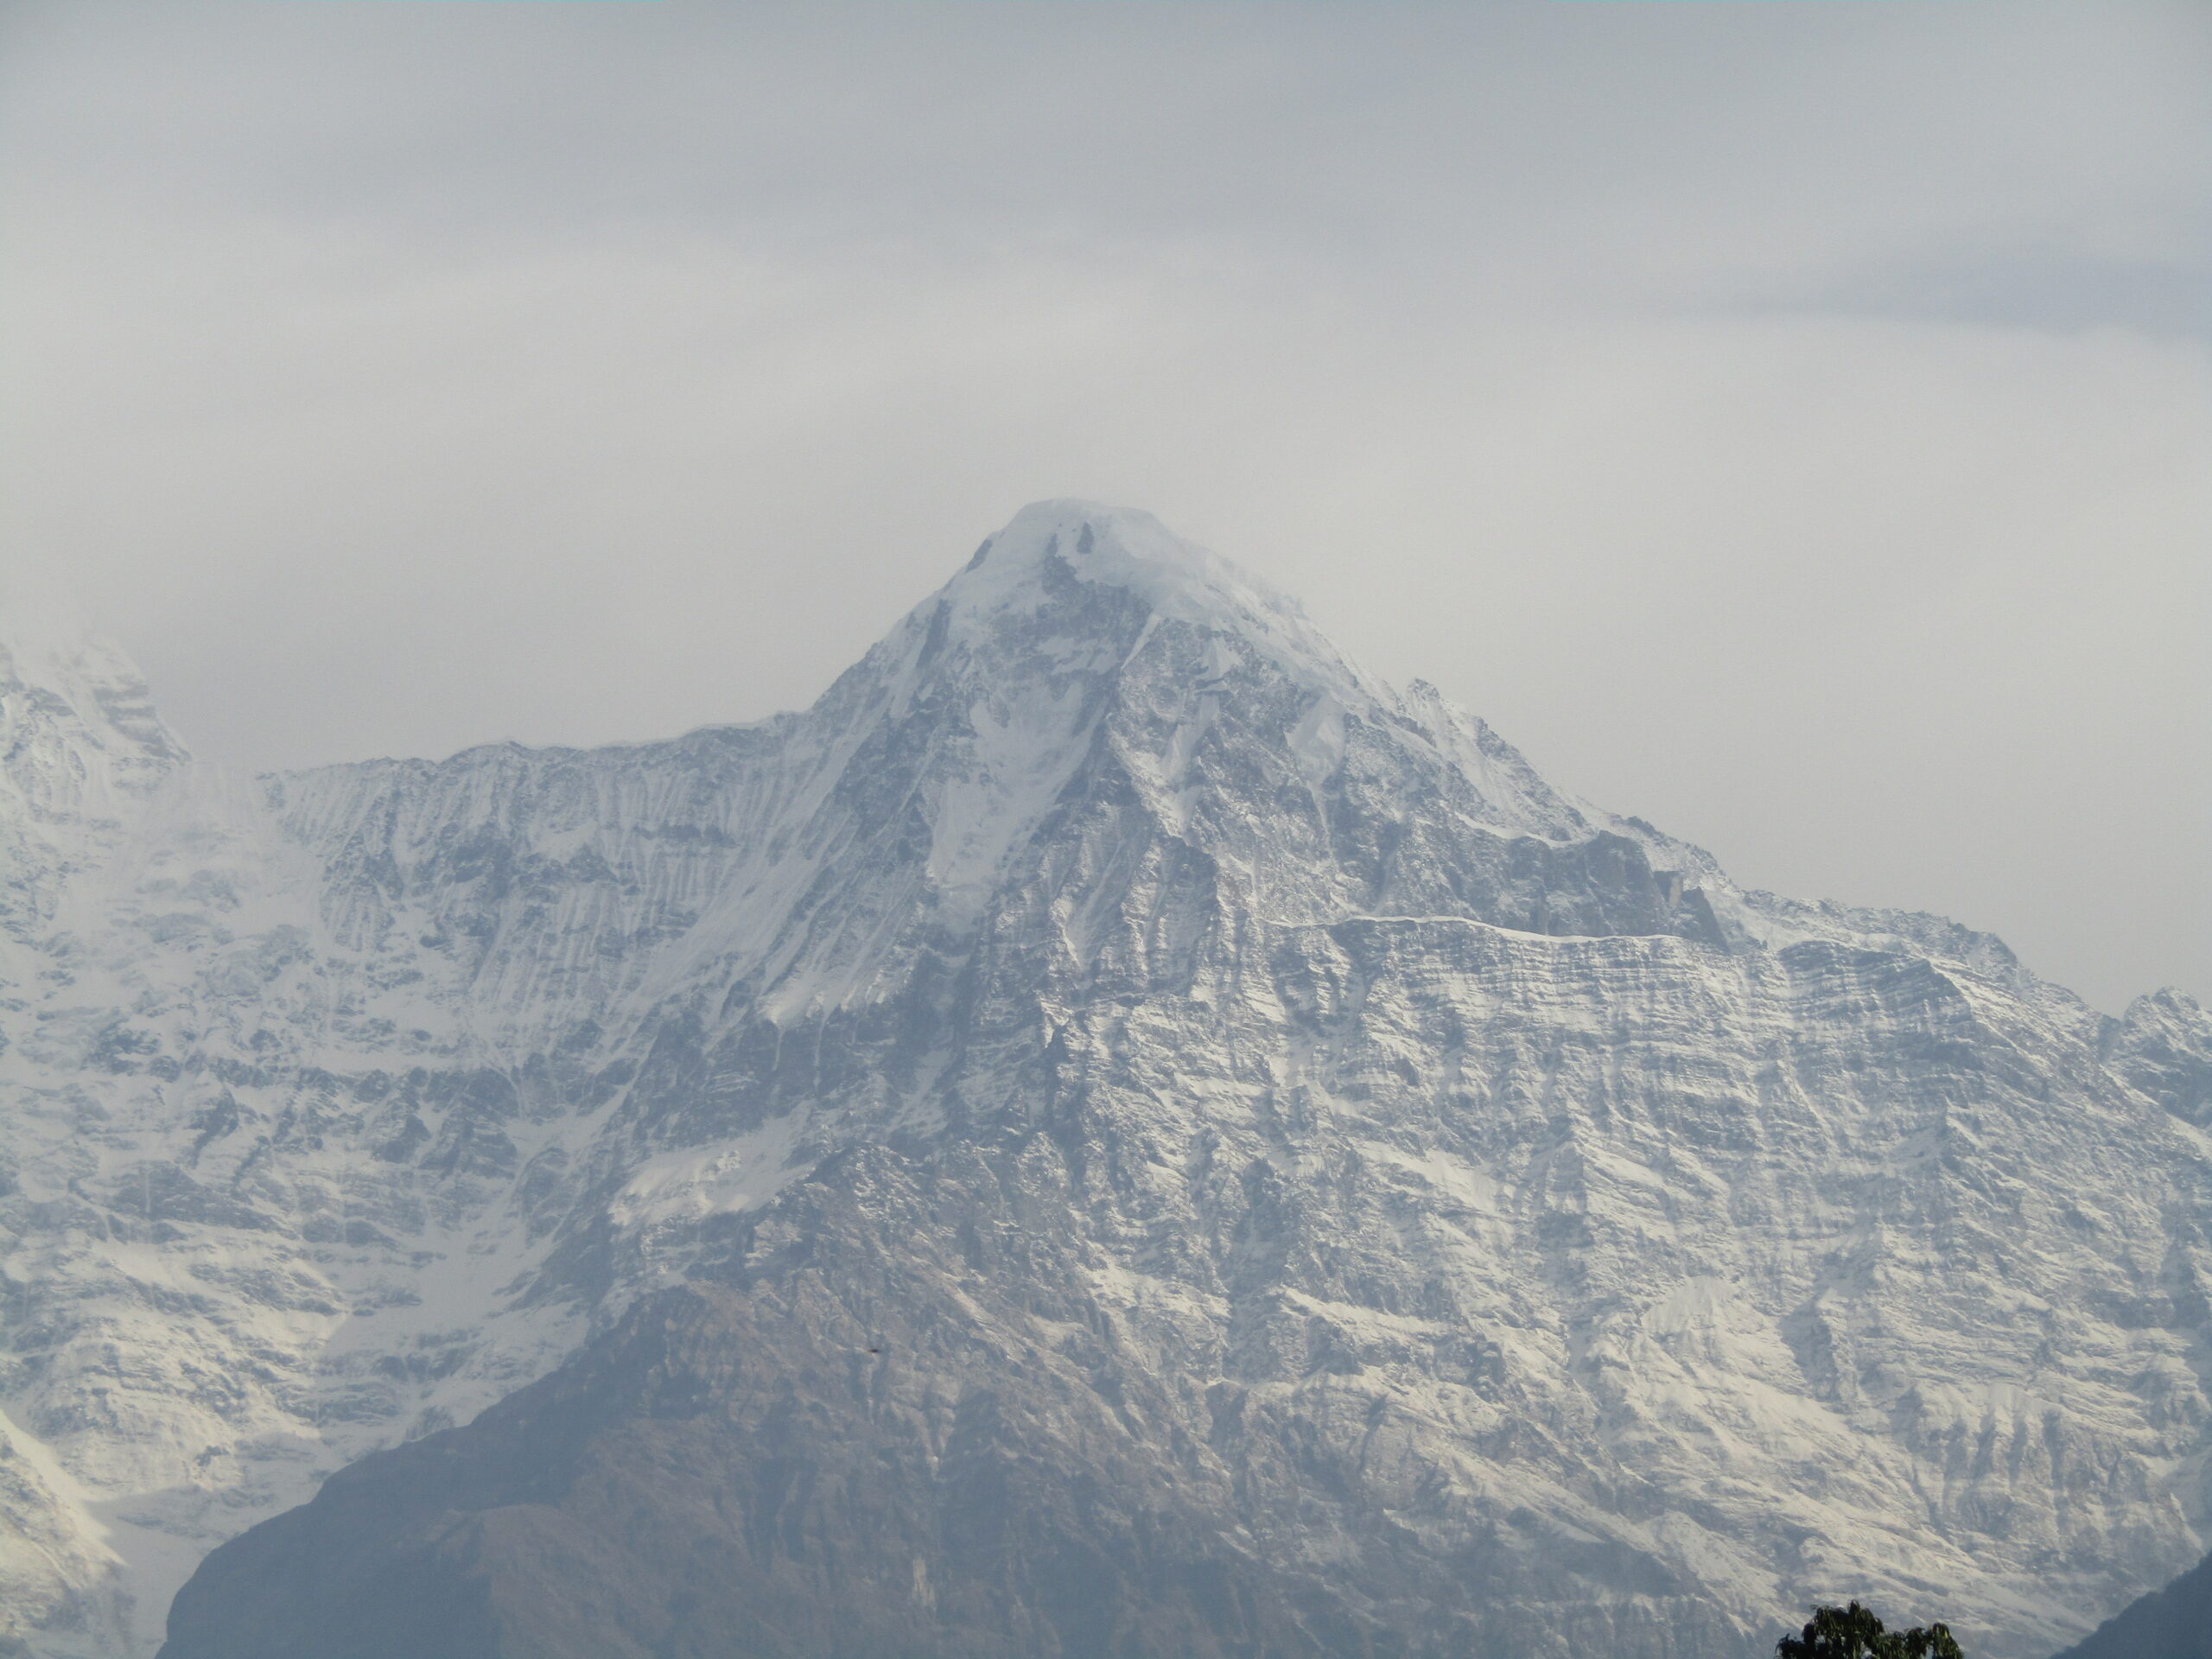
(1114,1133)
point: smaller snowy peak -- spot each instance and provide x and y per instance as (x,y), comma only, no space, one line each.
(81,750)
(78,733)
(2163,1045)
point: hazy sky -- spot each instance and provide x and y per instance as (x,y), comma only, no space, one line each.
(1791,423)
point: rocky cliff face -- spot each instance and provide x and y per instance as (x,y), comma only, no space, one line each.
(1114,1132)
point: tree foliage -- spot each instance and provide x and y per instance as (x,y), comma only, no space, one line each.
(1853,1633)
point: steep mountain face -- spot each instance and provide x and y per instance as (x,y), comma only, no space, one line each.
(80,752)
(1114,1132)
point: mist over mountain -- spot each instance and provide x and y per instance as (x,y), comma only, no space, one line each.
(1114,1133)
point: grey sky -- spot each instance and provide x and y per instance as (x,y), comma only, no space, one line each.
(1790,422)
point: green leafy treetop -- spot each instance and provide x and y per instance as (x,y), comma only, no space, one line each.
(1853,1633)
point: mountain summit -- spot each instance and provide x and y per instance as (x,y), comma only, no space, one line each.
(1114,1132)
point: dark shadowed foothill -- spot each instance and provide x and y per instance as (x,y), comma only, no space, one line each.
(2175,1623)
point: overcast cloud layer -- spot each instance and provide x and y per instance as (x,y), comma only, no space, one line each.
(1790,422)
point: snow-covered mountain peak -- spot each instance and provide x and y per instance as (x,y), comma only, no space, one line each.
(1110,546)
(1052,557)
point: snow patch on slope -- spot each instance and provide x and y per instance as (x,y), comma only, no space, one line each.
(723,1177)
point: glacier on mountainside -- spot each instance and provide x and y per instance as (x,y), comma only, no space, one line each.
(1484,1188)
